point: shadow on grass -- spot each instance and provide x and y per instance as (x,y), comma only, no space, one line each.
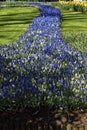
(74,16)
(74,28)
(20,18)
(74,21)
(15,22)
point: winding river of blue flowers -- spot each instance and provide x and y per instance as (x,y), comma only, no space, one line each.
(41,67)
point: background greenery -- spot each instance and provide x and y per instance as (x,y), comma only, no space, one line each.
(14,21)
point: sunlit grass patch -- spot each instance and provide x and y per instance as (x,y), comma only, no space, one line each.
(14,21)
(73,21)
(74,29)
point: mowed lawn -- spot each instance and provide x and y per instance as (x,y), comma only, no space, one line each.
(74,21)
(74,29)
(14,21)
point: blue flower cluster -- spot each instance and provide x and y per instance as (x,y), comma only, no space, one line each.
(41,68)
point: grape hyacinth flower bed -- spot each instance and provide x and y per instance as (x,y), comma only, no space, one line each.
(41,69)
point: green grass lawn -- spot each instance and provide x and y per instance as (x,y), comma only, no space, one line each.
(74,21)
(14,21)
(74,29)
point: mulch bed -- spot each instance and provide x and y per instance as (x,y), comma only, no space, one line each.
(21,119)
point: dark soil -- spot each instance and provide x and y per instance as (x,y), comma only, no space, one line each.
(75,118)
